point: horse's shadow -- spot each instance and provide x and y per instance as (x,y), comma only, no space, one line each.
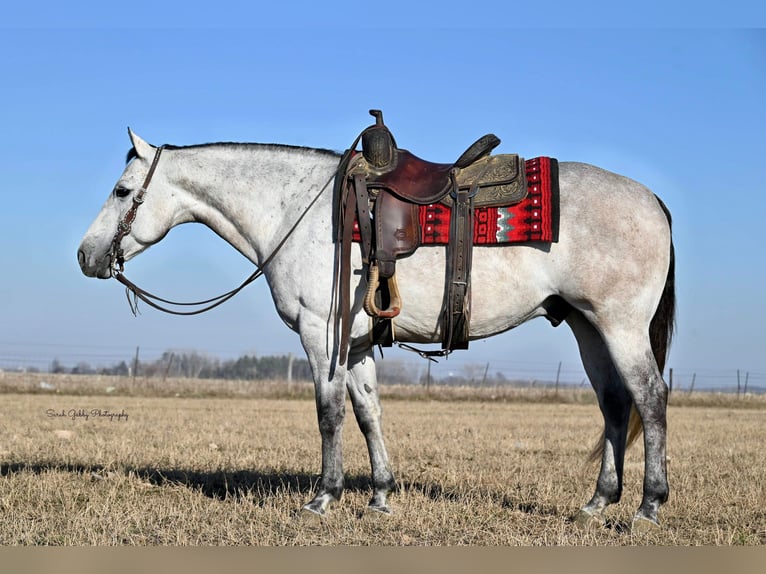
(259,486)
(437,493)
(218,484)
(238,484)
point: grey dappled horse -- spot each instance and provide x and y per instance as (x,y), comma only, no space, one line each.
(612,268)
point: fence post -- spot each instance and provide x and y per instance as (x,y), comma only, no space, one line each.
(289,368)
(135,367)
(738,385)
(670,381)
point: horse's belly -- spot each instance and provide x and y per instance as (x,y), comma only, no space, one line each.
(507,288)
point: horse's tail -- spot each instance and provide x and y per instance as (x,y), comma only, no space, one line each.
(664,321)
(661,329)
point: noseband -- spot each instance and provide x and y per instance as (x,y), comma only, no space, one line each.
(116,254)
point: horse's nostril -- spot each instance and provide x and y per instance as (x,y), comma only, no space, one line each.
(81,258)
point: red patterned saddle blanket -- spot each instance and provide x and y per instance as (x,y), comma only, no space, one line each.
(534,219)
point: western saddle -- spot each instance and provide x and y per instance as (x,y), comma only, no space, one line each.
(382,188)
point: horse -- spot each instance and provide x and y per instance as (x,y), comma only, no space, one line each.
(612,269)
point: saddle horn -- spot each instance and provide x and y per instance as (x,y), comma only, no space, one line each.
(378,144)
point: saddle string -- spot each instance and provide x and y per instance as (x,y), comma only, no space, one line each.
(151,299)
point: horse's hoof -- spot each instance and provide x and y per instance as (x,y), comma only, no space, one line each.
(315,509)
(319,504)
(643,525)
(589,521)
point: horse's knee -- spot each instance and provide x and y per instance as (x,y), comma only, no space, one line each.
(331,415)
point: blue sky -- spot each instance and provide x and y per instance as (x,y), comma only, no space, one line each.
(680,110)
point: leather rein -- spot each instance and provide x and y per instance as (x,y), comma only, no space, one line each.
(117,259)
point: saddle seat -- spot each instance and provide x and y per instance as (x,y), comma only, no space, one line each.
(423,182)
(413,179)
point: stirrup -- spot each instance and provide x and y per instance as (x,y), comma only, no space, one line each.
(395,305)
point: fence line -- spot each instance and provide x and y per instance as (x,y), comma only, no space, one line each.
(46,358)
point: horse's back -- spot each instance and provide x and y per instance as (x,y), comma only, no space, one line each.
(612,251)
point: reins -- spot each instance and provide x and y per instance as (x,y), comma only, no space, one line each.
(118,262)
(150,299)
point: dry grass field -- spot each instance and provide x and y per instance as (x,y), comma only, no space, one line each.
(223,463)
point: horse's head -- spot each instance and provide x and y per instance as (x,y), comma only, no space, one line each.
(129,221)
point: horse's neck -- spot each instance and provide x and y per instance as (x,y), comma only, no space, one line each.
(251,195)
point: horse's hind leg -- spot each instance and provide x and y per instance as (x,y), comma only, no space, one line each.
(633,358)
(363,389)
(615,403)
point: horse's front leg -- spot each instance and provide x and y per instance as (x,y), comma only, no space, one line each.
(330,394)
(363,389)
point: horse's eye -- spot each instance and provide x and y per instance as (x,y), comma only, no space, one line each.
(121,192)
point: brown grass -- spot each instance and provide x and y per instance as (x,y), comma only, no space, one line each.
(233,470)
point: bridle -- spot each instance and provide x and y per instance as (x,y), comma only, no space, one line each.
(117,256)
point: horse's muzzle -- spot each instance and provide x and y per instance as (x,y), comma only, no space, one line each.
(91,267)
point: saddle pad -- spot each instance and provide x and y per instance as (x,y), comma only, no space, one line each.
(534,219)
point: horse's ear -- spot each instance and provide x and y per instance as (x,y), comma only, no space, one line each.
(143,149)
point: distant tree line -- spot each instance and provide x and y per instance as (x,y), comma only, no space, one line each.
(195,365)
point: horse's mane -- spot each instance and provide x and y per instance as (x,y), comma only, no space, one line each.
(132,154)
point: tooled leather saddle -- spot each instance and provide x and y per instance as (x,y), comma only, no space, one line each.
(381,188)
